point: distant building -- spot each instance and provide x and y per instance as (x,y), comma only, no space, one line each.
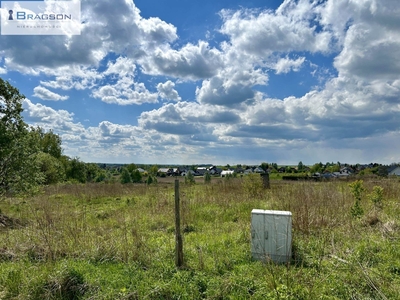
(226,172)
(395,171)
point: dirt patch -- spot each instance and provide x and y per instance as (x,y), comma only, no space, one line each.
(7,222)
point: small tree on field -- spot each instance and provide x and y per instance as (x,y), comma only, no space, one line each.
(136,176)
(357,189)
(376,196)
(189,178)
(151,180)
(153,170)
(207,177)
(125,176)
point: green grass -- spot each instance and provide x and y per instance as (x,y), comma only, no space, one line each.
(113,241)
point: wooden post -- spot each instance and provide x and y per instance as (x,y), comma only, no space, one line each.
(265,178)
(178,236)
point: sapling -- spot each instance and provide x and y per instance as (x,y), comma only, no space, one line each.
(376,196)
(357,189)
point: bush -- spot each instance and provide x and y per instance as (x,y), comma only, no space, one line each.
(252,184)
(136,176)
(377,197)
(357,189)
(125,176)
(207,178)
(189,178)
(151,179)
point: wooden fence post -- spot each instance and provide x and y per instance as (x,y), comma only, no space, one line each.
(178,236)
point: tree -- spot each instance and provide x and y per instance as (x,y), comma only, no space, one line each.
(136,176)
(316,168)
(131,168)
(300,166)
(153,170)
(264,166)
(101,176)
(76,170)
(125,176)
(19,171)
(49,142)
(51,168)
(92,172)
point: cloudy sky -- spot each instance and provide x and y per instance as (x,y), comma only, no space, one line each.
(217,81)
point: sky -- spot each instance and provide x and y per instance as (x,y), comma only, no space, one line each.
(217,81)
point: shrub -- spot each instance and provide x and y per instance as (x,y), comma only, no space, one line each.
(252,184)
(207,178)
(125,176)
(151,179)
(136,176)
(377,197)
(189,178)
(357,189)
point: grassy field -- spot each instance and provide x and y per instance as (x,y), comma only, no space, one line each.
(112,241)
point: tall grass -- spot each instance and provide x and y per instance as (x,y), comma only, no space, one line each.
(113,241)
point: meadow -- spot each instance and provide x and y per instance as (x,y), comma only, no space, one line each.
(114,241)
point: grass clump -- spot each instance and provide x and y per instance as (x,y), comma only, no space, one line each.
(67,284)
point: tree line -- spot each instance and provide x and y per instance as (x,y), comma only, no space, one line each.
(30,156)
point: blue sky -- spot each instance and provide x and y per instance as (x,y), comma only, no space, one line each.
(188,82)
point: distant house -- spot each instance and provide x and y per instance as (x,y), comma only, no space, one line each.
(175,172)
(226,172)
(164,171)
(394,171)
(239,170)
(341,174)
(248,171)
(346,170)
(328,175)
(258,170)
(282,170)
(201,170)
(214,170)
(189,172)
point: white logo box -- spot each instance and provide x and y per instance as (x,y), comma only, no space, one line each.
(40,17)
